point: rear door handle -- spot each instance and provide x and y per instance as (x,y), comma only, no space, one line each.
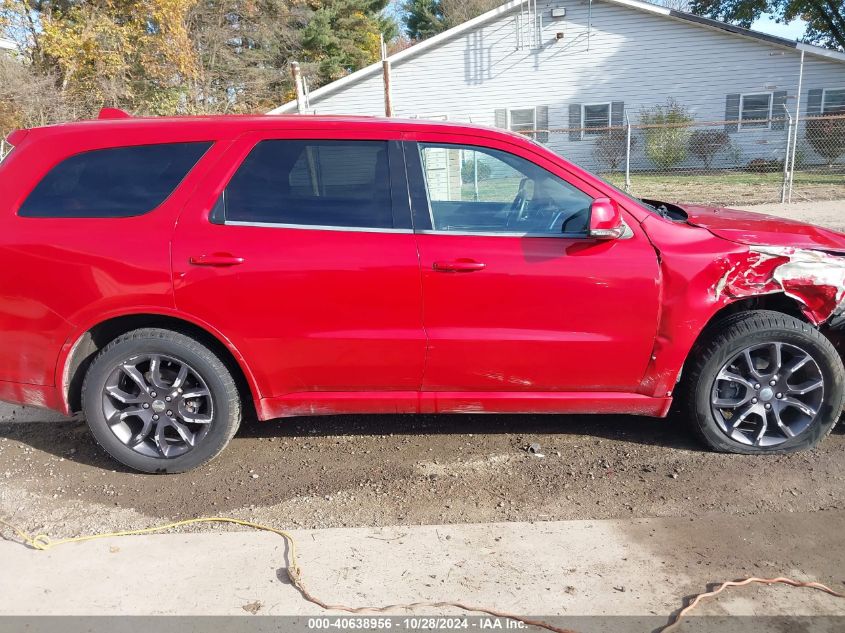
(219,260)
(459,266)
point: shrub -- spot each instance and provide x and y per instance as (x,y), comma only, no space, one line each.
(764,165)
(666,145)
(705,144)
(468,171)
(610,149)
(827,137)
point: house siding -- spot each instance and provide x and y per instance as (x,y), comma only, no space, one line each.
(628,55)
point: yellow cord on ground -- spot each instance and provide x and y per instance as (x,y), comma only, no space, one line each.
(43,542)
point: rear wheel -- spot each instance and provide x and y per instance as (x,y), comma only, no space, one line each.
(765,382)
(160,401)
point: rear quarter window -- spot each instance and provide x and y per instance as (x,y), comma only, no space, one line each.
(117,182)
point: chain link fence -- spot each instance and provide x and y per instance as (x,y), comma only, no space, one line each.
(722,163)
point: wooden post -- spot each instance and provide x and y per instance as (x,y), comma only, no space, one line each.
(385,67)
(297,82)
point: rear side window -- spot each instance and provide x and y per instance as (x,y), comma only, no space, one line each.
(118,182)
(313,183)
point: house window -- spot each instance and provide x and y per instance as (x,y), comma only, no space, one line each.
(595,118)
(755,110)
(833,101)
(522,120)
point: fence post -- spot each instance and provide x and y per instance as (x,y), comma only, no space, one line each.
(795,132)
(787,172)
(627,153)
(297,84)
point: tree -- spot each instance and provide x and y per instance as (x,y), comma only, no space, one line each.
(705,144)
(425,18)
(825,18)
(666,130)
(344,35)
(826,136)
(244,49)
(610,149)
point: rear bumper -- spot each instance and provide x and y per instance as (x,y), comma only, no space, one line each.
(45,397)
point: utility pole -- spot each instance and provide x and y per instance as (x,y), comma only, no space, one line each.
(385,66)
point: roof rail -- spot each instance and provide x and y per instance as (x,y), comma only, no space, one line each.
(113,113)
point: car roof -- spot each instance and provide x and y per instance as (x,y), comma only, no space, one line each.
(230,124)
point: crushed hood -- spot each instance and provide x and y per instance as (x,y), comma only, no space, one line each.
(758,229)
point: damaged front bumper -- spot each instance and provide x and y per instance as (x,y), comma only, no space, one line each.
(813,278)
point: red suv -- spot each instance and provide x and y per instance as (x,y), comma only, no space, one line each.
(167,276)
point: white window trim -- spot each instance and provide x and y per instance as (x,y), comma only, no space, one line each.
(768,117)
(532,108)
(824,95)
(584,107)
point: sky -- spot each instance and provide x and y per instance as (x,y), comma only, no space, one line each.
(791,31)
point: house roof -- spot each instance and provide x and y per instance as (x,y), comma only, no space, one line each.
(435,41)
(7,44)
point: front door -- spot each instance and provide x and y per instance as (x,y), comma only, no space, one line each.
(298,254)
(516,297)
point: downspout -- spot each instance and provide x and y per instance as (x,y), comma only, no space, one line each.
(590,23)
(628,154)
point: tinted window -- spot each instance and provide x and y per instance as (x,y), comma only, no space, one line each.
(112,183)
(322,183)
(473,189)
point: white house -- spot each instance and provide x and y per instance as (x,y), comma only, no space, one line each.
(580,64)
(7,45)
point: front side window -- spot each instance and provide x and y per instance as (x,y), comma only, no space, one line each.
(313,183)
(480,190)
(595,119)
(833,101)
(755,110)
(117,182)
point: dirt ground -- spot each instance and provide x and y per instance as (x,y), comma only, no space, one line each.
(406,470)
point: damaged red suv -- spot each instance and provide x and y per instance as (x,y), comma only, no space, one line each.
(166,277)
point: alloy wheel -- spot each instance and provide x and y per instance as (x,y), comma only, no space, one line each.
(767,394)
(157,405)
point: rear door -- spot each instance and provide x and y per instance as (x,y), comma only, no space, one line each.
(300,251)
(516,297)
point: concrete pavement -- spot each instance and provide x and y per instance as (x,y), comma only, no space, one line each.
(576,568)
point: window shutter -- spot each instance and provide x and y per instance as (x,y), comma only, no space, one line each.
(574,121)
(617,114)
(501,118)
(542,124)
(814,102)
(778,111)
(732,113)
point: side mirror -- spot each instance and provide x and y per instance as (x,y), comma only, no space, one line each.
(606,220)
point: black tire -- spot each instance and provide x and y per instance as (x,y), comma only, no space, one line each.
(223,399)
(729,338)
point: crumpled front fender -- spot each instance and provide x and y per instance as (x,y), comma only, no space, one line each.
(815,279)
(701,274)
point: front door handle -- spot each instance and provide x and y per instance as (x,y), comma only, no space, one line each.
(459,266)
(219,260)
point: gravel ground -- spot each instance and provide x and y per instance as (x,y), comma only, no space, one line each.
(396,470)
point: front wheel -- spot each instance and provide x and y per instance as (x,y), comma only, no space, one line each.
(765,382)
(160,402)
